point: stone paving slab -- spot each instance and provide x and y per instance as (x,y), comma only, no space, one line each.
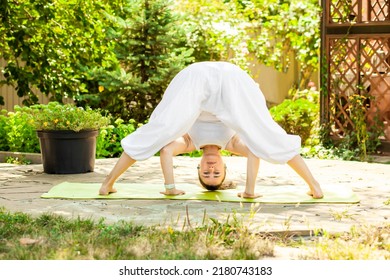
(22,186)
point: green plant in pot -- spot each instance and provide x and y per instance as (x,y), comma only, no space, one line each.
(67,136)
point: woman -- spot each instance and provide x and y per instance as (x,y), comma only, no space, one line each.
(213,104)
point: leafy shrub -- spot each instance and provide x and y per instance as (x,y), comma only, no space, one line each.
(17,134)
(3,131)
(108,142)
(55,116)
(298,116)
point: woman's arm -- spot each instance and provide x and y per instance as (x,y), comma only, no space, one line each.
(236,146)
(179,146)
(252,169)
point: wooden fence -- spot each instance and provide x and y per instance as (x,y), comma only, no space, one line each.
(9,94)
(356,48)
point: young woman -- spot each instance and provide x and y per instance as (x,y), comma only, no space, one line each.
(212,105)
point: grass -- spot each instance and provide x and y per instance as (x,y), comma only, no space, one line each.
(49,236)
(361,243)
(341,215)
(55,237)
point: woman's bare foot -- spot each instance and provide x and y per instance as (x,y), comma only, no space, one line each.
(106,189)
(247,195)
(173,192)
(315,191)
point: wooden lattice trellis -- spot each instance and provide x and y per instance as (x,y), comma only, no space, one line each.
(356,45)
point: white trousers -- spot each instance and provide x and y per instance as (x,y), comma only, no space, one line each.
(224,90)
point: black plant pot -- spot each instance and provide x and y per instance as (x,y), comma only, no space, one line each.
(68,152)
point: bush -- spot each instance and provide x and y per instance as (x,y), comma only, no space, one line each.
(3,132)
(17,133)
(108,142)
(55,116)
(298,116)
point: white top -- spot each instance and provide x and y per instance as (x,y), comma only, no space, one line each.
(227,92)
(208,130)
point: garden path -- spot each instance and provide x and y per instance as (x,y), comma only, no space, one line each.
(22,185)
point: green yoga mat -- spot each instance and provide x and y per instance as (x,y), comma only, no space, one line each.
(271,194)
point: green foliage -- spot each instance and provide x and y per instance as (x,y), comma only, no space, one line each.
(149,45)
(215,30)
(121,54)
(360,140)
(17,160)
(17,133)
(18,129)
(49,45)
(3,130)
(358,137)
(284,30)
(54,116)
(108,142)
(298,116)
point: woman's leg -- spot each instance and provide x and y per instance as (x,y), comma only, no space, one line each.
(171,119)
(246,112)
(121,166)
(173,116)
(298,164)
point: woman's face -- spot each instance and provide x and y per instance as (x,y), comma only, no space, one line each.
(212,169)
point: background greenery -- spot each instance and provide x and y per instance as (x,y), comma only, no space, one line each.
(18,133)
(120,55)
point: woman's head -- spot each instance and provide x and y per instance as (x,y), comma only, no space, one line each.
(211,171)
